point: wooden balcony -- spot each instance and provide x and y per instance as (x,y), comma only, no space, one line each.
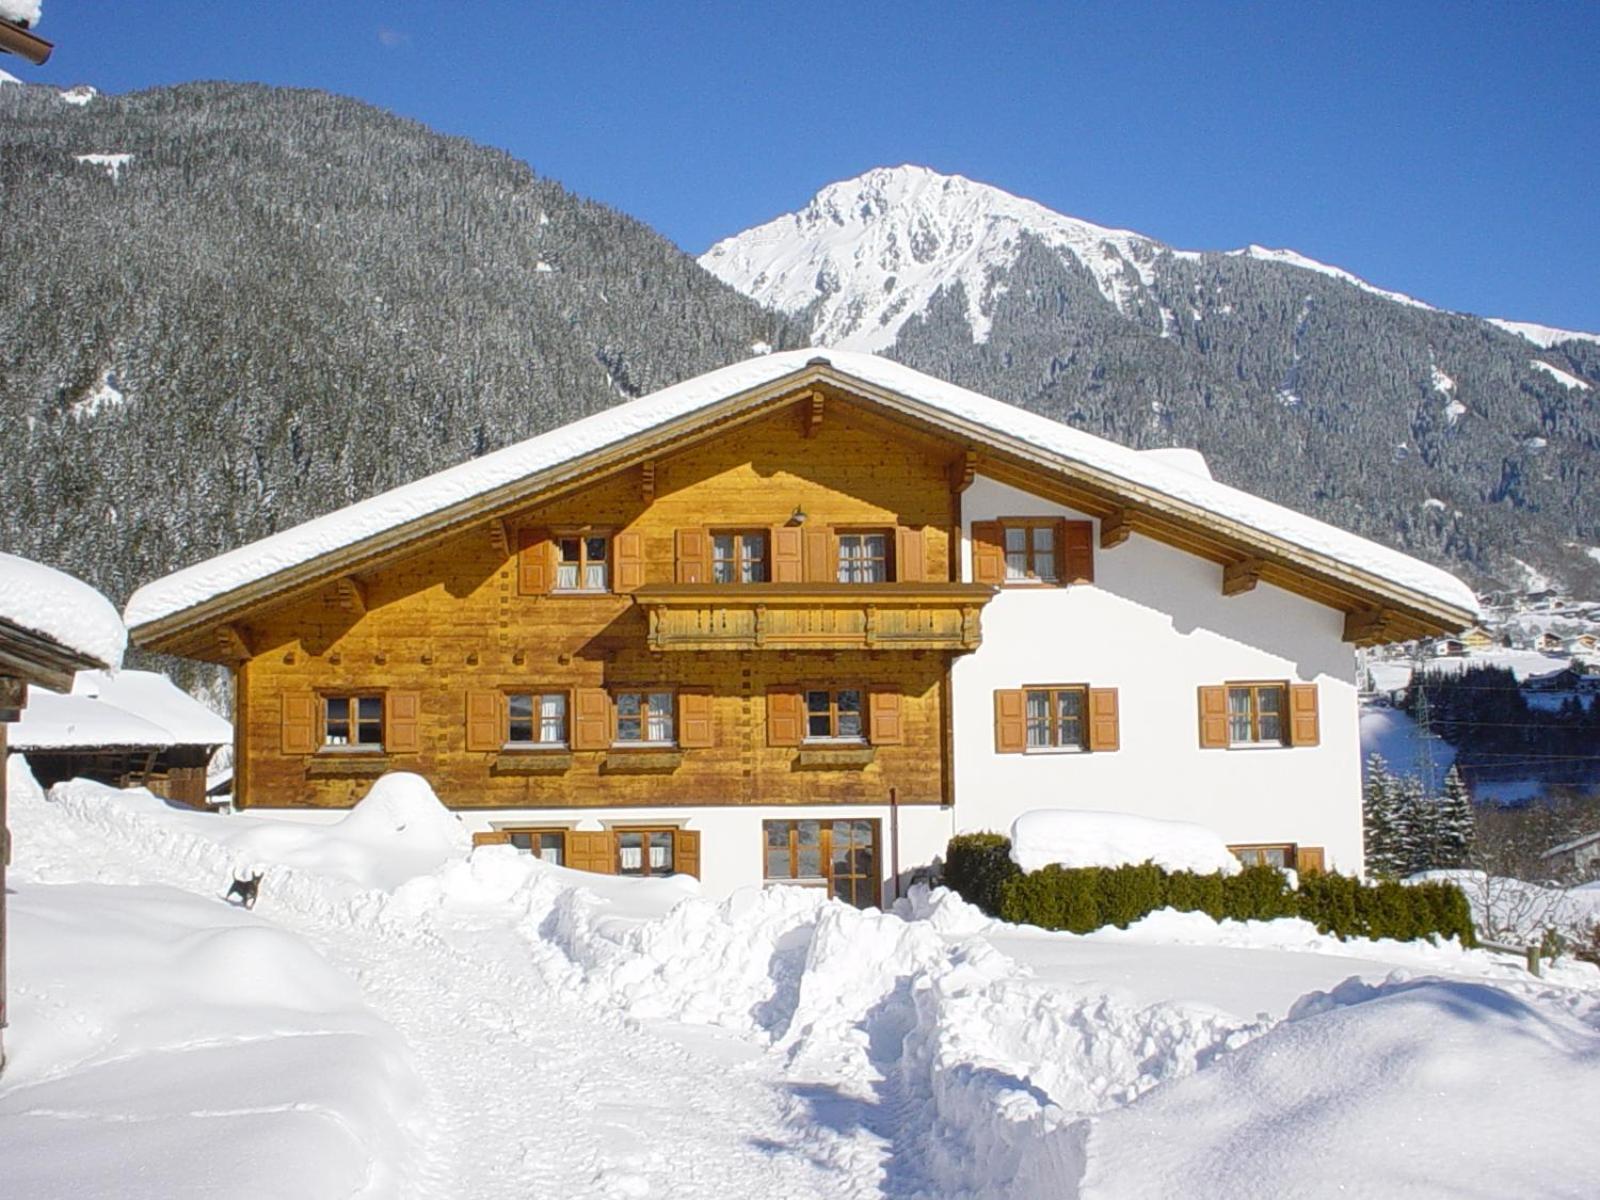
(814,616)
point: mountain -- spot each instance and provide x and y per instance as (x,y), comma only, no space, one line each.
(1474,443)
(229,308)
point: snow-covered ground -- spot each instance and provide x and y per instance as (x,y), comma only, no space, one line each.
(485,1025)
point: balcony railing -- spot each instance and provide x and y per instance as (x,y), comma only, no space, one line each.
(814,616)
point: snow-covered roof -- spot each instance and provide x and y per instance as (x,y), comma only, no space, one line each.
(53,604)
(105,710)
(975,415)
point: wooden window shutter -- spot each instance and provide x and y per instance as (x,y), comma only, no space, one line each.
(535,571)
(300,710)
(788,562)
(628,549)
(587,851)
(822,561)
(402,719)
(1308,860)
(694,556)
(1305,726)
(1010,721)
(1213,718)
(910,555)
(785,718)
(686,852)
(1104,726)
(493,837)
(988,553)
(886,718)
(1077,551)
(694,719)
(591,719)
(484,728)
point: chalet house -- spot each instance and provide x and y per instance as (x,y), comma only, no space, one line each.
(125,729)
(798,621)
(1549,643)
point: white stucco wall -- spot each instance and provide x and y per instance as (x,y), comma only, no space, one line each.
(1156,626)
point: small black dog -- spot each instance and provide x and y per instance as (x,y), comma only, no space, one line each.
(244,890)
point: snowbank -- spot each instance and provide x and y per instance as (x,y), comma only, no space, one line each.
(1369,1091)
(460,488)
(1108,839)
(63,609)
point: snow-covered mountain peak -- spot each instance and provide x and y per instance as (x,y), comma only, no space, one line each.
(873,251)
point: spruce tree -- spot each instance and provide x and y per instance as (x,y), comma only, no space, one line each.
(1415,822)
(1456,823)
(1377,816)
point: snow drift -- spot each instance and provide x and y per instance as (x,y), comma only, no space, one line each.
(1109,839)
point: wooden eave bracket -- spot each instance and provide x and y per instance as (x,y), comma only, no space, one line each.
(647,480)
(232,645)
(1116,527)
(352,595)
(15,39)
(1241,576)
(963,471)
(500,536)
(1371,626)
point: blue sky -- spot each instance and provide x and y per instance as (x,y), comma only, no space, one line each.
(1445,150)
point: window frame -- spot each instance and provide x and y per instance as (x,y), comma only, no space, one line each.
(644,872)
(739,534)
(582,535)
(537,693)
(1052,690)
(644,692)
(353,697)
(538,831)
(886,532)
(1031,578)
(1254,687)
(825,848)
(1291,854)
(833,736)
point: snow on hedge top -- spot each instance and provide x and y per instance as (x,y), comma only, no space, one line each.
(459,484)
(65,610)
(1107,839)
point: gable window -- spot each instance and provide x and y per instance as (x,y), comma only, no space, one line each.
(864,557)
(581,563)
(1255,714)
(1030,553)
(834,715)
(353,722)
(644,718)
(1056,718)
(739,557)
(646,852)
(841,856)
(536,718)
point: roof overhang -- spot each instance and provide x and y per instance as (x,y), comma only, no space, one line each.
(16,39)
(1378,609)
(39,660)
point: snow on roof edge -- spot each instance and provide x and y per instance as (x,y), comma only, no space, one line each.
(63,609)
(399,506)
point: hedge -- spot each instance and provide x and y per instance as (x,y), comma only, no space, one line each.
(1081,899)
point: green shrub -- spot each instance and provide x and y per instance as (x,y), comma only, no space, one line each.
(1054,898)
(976,866)
(1257,894)
(1189,892)
(1331,902)
(1127,893)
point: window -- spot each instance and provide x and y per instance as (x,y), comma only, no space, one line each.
(536,718)
(1055,718)
(645,852)
(581,563)
(1030,553)
(644,718)
(864,557)
(1281,856)
(548,845)
(739,557)
(353,722)
(834,715)
(1255,714)
(841,856)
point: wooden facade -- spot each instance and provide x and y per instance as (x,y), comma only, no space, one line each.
(445,637)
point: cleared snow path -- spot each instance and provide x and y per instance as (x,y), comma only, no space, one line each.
(530,1095)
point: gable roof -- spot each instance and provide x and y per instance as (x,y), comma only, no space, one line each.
(458,496)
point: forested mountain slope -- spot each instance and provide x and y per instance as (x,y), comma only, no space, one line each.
(1443,434)
(281,301)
